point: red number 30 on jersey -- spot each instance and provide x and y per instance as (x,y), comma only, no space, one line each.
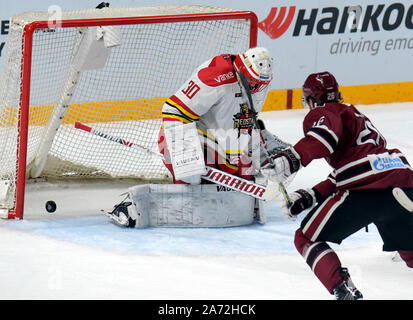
(191,90)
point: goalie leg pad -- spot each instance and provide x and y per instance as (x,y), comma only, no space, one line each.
(260,212)
(178,205)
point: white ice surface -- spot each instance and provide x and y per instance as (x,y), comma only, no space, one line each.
(79,254)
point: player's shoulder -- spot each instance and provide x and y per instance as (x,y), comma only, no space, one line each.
(218,71)
(331,113)
(331,109)
(339,107)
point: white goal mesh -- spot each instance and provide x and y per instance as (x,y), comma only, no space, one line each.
(160,47)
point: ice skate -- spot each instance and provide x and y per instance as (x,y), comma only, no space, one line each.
(120,215)
(345,289)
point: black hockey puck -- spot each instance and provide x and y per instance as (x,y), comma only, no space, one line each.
(50,206)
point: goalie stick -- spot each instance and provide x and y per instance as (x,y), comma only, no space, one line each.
(214,175)
(246,87)
(403,199)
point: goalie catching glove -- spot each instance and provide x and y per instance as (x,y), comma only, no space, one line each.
(300,200)
(281,165)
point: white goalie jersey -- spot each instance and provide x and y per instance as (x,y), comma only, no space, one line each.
(212,97)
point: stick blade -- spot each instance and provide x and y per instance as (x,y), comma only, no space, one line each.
(403,199)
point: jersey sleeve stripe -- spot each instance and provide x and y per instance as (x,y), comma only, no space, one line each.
(174,111)
(327,129)
(322,140)
(174,117)
(327,135)
(175,102)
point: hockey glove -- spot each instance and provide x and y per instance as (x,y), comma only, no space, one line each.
(272,143)
(300,200)
(284,164)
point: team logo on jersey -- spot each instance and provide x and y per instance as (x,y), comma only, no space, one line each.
(243,120)
(385,161)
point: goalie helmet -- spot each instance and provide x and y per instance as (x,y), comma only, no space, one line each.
(321,88)
(256,65)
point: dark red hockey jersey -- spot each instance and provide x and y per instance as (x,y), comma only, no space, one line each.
(354,148)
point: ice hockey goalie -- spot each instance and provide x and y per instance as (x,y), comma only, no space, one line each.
(208,121)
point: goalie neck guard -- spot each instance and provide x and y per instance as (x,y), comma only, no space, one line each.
(256,65)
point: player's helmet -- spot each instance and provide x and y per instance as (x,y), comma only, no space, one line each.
(256,65)
(320,87)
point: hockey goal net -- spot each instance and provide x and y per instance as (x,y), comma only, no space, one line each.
(109,68)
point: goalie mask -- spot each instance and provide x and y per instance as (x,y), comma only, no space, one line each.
(321,88)
(256,65)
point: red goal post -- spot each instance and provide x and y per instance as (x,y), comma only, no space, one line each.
(38,83)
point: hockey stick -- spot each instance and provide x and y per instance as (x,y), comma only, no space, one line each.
(213,175)
(81,126)
(403,199)
(245,85)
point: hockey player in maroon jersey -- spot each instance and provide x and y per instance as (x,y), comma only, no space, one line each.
(358,192)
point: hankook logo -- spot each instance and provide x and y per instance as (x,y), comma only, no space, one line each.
(275,25)
(331,20)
